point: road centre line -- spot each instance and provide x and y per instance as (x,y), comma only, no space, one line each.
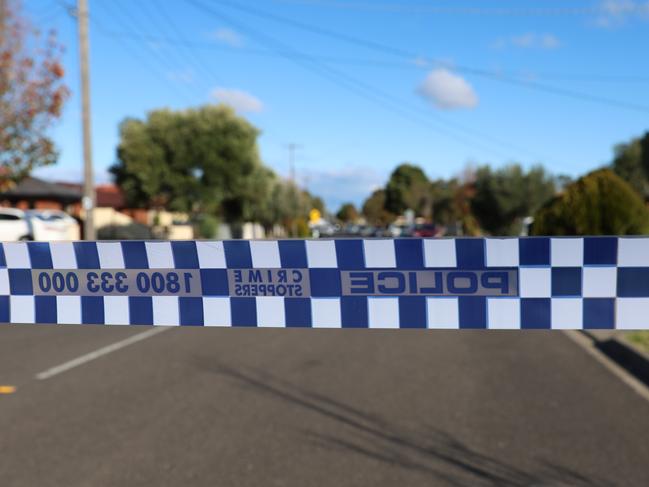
(100,352)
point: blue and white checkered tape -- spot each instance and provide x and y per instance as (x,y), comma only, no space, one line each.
(494,283)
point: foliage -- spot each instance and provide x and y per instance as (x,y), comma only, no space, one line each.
(408,188)
(347,213)
(504,196)
(631,163)
(207,226)
(32,94)
(599,203)
(374,209)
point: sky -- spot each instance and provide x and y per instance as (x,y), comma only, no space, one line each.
(361,86)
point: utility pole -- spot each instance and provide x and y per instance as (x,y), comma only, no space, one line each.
(291,160)
(88,200)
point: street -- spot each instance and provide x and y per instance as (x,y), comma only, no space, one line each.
(241,407)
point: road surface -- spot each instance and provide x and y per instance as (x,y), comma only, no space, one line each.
(241,407)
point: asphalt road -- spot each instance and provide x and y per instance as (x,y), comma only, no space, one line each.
(241,407)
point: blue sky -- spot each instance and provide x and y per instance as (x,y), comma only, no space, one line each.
(442,84)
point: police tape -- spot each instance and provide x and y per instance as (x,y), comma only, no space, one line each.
(495,283)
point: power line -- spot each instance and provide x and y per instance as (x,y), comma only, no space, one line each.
(387,49)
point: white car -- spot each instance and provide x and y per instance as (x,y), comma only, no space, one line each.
(14,225)
(49,225)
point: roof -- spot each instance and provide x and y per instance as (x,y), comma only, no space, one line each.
(33,188)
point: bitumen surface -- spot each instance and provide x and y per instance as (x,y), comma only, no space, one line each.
(259,407)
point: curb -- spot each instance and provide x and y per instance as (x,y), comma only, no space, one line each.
(634,361)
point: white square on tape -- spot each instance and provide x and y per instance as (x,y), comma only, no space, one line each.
(325,313)
(567,252)
(632,252)
(17,255)
(599,282)
(211,255)
(439,252)
(116,310)
(379,253)
(166,310)
(632,313)
(265,254)
(503,313)
(270,311)
(535,282)
(567,313)
(501,252)
(63,256)
(216,312)
(321,253)
(110,255)
(68,310)
(22,309)
(443,312)
(4,282)
(383,312)
(159,255)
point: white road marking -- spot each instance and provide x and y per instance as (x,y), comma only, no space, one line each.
(100,352)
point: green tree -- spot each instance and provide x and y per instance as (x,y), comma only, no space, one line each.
(600,203)
(347,213)
(32,94)
(197,160)
(408,188)
(631,163)
(504,196)
(374,209)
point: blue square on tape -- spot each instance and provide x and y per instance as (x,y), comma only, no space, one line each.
(4,309)
(45,309)
(599,313)
(470,253)
(244,311)
(3,261)
(92,310)
(292,254)
(600,250)
(566,281)
(140,310)
(20,281)
(325,283)
(534,251)
(633,282)
(536,313)
(473,312)
(87,255)
(350,254)
(353,311)
(185,255)
(409,253)
(191,311)
(237,254)
(297,312)
(214,282)
(135,255)
(412,312)
(40,255)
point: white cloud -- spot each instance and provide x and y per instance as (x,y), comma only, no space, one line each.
(617,12)
(529,40)
(338,186)
(228,36)
(181,76)
(240,100)
(447,90)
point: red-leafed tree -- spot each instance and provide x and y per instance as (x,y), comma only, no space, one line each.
(32,94)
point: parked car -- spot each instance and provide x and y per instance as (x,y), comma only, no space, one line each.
(14,225)
(51,225)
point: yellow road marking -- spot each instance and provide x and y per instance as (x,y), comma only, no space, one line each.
(7,389)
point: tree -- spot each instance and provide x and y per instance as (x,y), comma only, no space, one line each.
(32,94)
(408,188)
(347,213)
(374,209)
(503,197)
(600,203)
(197,160)
(631,163)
